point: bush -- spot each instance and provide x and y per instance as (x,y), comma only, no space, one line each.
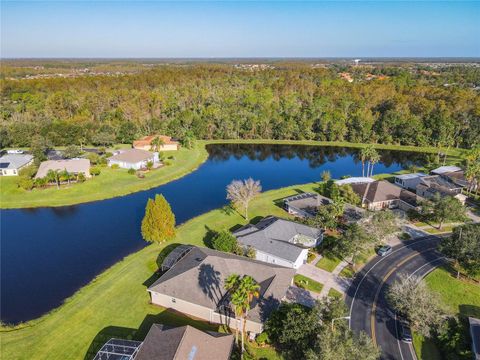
(25,183)
(95,171)
(115,166)
(81,177)
(225,241)
(93,157)
(131,171)
(167,163)
(251,252)
(150,165)
(28,172)
(262,338)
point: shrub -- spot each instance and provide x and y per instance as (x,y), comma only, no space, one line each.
(251,252)
(25,183)
(93,157)
(158,224)
(262,338)
(115,166)
(41,182)
(149,165)
(167,163)
(131,171)
(95,171)
(28,172)
(81,177)
(224,241)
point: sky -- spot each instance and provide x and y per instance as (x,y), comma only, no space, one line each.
(135,29)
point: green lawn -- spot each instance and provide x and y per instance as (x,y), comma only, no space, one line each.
(459,297)
(306,283)
(328,262)
(335,293)
(110,183)
(116,302)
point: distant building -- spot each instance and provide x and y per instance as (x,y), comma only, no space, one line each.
(433,184)
(72,166)
(133,159)
(354,180)
(11,164)
(455,175)
(170,343)
(145,143)
(378,195)
(278,241)
(409,181)
(194,285)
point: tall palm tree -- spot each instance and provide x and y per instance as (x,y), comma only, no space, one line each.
(232,283)
(53,176)
(157,143)
(249,291)
(374,158)
(363,158)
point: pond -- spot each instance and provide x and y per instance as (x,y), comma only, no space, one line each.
(49,253)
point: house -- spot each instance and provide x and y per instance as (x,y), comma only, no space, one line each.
(378,195)
(409,181)
(11,164)
(145,143)
(354,180)
(304,205)
(445,169)
(194,285)
(475,336)
(170,343)
(430,185)
(72,166)
(455,175)
(133,159)
(278,241)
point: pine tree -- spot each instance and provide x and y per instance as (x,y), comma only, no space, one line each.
(158,224)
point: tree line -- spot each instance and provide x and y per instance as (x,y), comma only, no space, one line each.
(212,101)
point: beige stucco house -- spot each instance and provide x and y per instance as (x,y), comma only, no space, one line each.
(194,285)
(72,166)
(11,164)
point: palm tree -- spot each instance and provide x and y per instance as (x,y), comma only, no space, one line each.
(363,157)
(53,176)
(157,143)
(231,284)
(249,291)
(374,158)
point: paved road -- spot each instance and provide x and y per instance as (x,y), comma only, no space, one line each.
(369,310)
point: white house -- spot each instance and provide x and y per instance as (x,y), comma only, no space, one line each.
(11,164)
(278,241)
(409,181)
(134,159)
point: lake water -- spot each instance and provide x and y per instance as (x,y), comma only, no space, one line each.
(49,253)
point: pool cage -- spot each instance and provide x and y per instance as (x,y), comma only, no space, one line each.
(175,255)
(118,349)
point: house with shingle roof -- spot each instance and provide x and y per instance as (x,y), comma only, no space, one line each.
(134,159)
(194,286)
(279,241)
(11,164)
(378,195)
(72,166)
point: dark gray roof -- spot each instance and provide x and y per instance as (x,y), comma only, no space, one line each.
(14,161)
(277,237)
(199,277)
(307,202)
(436,183)
(185,342)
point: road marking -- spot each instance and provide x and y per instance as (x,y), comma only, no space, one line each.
(378,262)
(398,341)
(384,279)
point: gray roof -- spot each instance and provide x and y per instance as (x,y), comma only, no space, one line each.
(382,190)
(277,237)
(133,156)
(445,169)
(199,279)
(14,161)
(410,176)
(185,342)
(307,202)
(436,183)
(71,165)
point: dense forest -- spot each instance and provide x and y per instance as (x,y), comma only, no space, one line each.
(409,105)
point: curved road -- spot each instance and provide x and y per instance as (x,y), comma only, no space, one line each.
(369,310)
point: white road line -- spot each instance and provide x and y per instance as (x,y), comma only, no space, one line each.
(364,276)
(410,346)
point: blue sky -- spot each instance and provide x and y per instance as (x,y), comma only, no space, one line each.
(239,29)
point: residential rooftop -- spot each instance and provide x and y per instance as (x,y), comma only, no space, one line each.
(198,278)
(410,176)
(354,180)
(14,161)
(379,191)
(71,165)
(133,156)
(445,169)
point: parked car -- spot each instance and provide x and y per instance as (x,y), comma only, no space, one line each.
(405,332)
(384,250)
(14,151)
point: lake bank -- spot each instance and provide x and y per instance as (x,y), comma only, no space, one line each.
(115,183)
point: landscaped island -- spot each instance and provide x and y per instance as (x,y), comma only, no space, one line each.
(118,182)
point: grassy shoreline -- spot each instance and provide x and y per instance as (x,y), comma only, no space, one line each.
(116,303)
(115,183)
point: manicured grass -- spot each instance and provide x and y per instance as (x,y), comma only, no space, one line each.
(335,293)
(347,272)
(458,296)
(307,283)
(116,303)
(328,262)
(110,183)
(444,229)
